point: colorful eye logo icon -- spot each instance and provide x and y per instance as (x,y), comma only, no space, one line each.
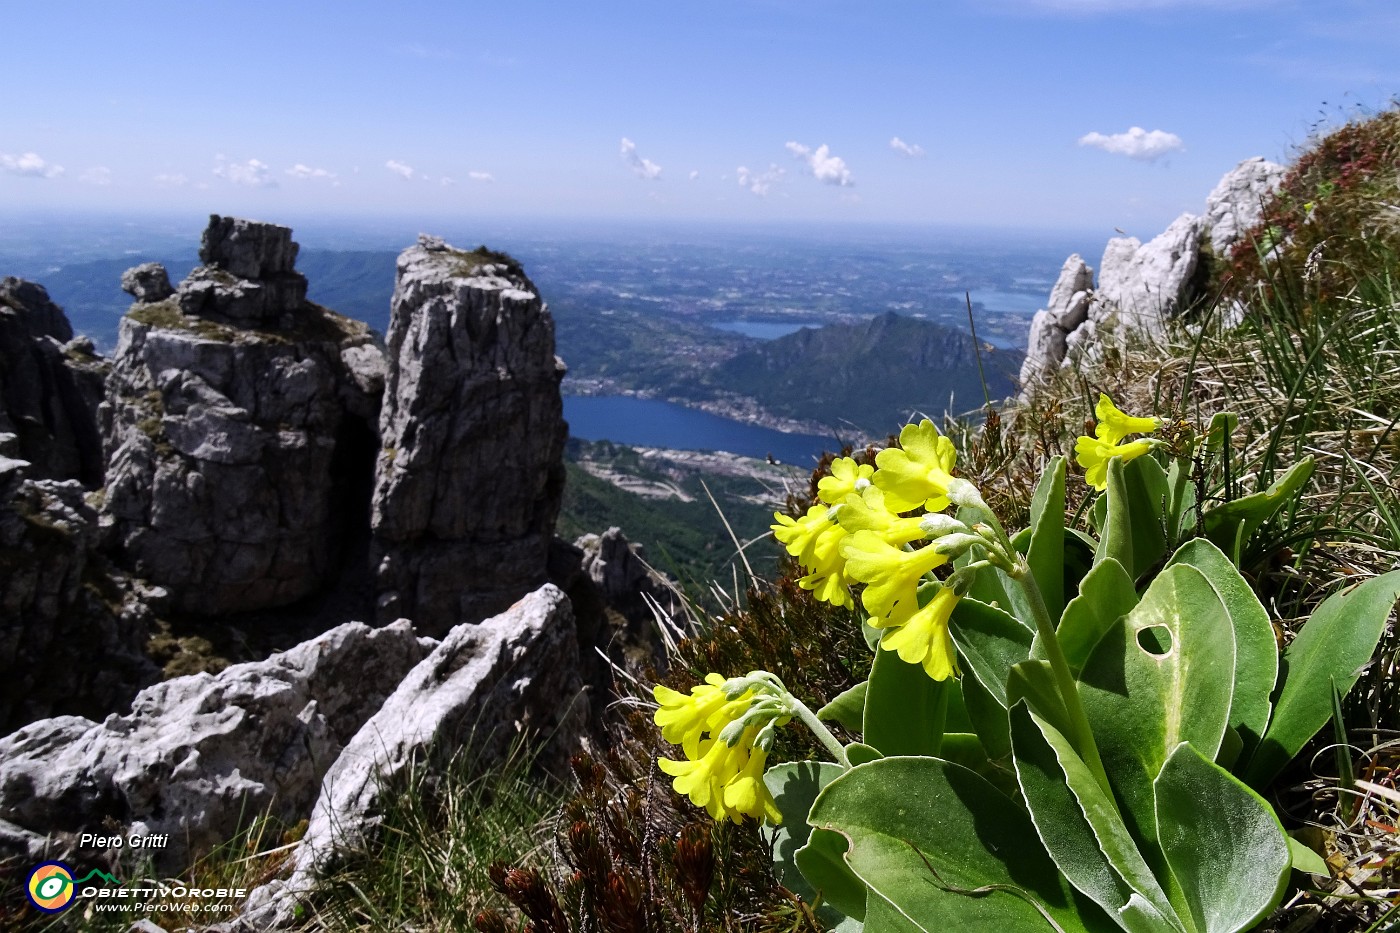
(50,887)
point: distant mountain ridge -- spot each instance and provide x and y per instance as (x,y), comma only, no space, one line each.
(873,374)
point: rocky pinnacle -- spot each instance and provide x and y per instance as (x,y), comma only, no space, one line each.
(470,472)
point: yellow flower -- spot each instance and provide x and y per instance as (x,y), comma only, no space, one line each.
(846,478)
(746,795)
(684,719)
(891,576)
(727,781)
(702,778)
(1113,425)
(1093,454)
(867,512)
(916,473)
(815,540)
(925,639)
(801,535)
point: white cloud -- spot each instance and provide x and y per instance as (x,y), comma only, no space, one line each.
(643,168)
(98,175)
(1136,143)
(447,182)
(760,183)
(911,150)
(398,168)
(252,174)
(166,180)
(827,168)
(306,171)
(694,174)
(481,176)
(29,164)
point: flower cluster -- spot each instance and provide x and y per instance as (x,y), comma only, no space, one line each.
(1113,428)
(863,532)
(726,730)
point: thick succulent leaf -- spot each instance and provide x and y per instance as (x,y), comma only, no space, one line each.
(1181,512)
(1306,860)
(989,642)
(1223,843)
(1335,643)
(1082,829)
(904,707)
(1106,594)
(1046,554)
(858,753)
(823,871)
(1033,682)
(1116,524)
(946,850)
(822,861)
(848,708)
(1143,701)
(965,748)
(1256,650)
(1239,519)
(988,716)
(1148,496)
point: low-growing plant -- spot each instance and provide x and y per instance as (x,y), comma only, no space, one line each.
(1059,730)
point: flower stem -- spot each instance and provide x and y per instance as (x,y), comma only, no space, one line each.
(823,734)
(1083,739)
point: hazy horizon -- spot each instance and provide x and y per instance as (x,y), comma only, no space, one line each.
(1080,114)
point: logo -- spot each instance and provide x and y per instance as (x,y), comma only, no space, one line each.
(50,887)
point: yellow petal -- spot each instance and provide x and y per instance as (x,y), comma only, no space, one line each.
(916,473)
(1114,425)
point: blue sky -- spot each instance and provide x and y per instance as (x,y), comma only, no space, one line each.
(675,110)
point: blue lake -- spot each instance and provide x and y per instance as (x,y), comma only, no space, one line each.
(763,330)
(646,422)
(1025,302)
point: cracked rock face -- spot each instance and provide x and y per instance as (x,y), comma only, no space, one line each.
(518,671)
(1237,203)
(1143,286)
(238,420)
(50,384)
(72,629)
(1067,310)
(199,755)
(470,472)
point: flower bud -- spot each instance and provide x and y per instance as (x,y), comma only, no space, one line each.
(955,545)
(936,525)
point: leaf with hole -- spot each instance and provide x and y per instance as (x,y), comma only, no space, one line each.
(1162,675)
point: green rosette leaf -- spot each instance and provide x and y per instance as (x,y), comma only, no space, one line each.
(939,848)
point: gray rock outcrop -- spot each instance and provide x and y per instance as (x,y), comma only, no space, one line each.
(470,472)
(1142,287)
(49,387)
(1067,310)
(202,754)
(147,282)
(247,278)
(481,686)
(239,423)
(73,629)
(1237,203)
